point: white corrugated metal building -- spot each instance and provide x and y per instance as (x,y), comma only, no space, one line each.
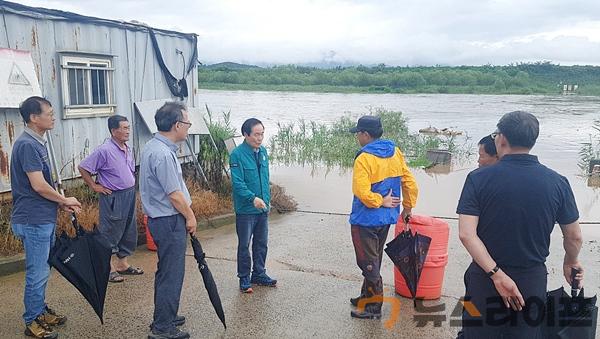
(91,68)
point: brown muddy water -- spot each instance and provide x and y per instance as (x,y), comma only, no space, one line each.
(565,123)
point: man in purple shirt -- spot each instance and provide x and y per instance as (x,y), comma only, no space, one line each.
(114,167)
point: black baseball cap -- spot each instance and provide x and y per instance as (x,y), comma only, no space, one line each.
(368,123)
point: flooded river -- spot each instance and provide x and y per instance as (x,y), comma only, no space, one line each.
(565,123)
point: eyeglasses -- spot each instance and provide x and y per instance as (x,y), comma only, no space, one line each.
(185,122)
(495,134)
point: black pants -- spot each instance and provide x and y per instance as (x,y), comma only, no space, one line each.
(496,321)
(368,246)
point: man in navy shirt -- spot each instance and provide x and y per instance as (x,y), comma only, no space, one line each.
(33,219)
(506,214)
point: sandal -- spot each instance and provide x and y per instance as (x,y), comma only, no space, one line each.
(131,271)
(115,277)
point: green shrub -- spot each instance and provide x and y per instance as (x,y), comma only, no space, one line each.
(213,154)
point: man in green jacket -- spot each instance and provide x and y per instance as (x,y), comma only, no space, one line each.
(249,164)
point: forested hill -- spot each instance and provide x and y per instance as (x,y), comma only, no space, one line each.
(523,78)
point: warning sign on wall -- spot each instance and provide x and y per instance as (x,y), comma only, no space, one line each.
(18,80)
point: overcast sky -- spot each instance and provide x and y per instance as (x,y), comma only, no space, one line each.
(394,32)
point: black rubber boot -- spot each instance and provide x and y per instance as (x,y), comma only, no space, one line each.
(373,292)
(371,311)
(363,294)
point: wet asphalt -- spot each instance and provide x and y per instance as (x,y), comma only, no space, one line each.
(312,257)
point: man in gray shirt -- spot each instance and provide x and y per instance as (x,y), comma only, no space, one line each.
(33,219)
(166,201)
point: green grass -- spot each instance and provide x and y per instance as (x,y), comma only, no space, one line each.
(590,150)
(311,143)
(213,156)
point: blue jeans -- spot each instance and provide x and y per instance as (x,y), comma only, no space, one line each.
(37,240)
(251,227)
(170,236)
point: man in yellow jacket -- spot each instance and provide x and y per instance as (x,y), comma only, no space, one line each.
(380,176)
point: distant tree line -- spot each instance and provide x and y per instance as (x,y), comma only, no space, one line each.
(521,78)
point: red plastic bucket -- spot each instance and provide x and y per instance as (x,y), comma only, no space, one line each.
(149,241)
(432,276)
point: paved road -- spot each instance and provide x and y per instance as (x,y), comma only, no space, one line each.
(313,258)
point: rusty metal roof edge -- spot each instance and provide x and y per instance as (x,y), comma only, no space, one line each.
(55,14)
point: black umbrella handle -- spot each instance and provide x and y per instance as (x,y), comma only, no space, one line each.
(78,229)
(406,223)
(201,255)
(574,282)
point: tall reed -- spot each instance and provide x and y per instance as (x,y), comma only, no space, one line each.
(330,144)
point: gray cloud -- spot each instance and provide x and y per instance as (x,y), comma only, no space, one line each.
(426,32)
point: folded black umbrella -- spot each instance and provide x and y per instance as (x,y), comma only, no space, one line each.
(408,252)
(209,281)
(85,262)
(573,317)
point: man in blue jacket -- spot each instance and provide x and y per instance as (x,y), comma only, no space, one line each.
(379,175)
(249,164)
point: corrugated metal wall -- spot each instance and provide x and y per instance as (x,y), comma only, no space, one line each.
(137,77)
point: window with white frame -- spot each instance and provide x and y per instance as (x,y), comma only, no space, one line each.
(87,86)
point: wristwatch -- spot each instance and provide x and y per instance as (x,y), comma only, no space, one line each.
(493,271)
